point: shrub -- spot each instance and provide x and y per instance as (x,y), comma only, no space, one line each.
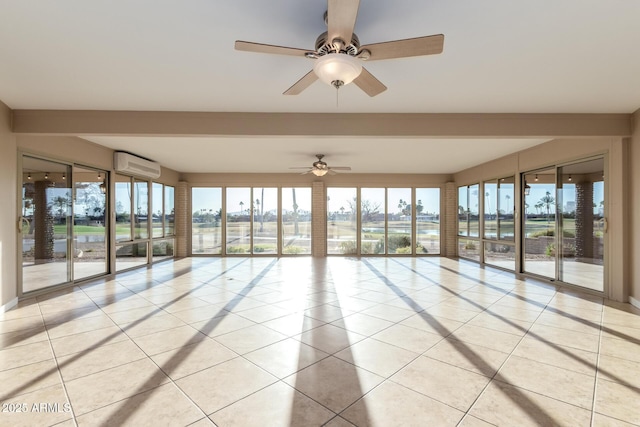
(348,247)
(396,241)
(550,250)
(470,245)
(404,250)
(550,232)
(235,250)
(366,248)
(293,250)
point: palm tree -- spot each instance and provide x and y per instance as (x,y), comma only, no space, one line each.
(62,204)
(538,207)
(548,201)
(296,229)
(261,204)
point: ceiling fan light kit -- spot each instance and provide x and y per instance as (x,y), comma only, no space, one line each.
(337,69)
(339,63)
(320,168)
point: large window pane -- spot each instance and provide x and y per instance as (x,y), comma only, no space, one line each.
(540,223)
(399,213)
(341,220)
(141,209)
(206,215)
(46,221)
(428,220)
(132,255)
(238,220)
(157,204)
(123,208)
(89,223)
(506,200)
(490,210)
(169,210)
(372,209)
(474,213)
(500,254)
(296,220)
(581,207)
(463,211)
(162,249)
(265,220)
(469,249)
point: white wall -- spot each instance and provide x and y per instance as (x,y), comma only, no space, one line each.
(8,216)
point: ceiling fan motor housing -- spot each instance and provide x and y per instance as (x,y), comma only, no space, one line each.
(320,165)
(324,46)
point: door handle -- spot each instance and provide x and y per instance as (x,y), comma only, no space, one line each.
(605,225)
(21,221)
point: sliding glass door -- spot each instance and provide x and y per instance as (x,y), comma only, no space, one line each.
(539,223)
(64,229)
(90,225)
(581,224)
(45,224)
(564,223)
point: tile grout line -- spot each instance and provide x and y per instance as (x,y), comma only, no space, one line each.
(171,381)
(595,379)
(59,372)
(492,378)
(143,352)
(468,322)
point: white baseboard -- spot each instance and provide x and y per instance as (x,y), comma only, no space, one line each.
(8,306)
(634,302)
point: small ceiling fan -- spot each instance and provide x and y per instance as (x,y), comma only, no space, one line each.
(320,168)
(338,55)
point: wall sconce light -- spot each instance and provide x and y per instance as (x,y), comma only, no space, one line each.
(46,175)
(103,185)
(570,178)
(536,178)
(29,176)
(527,188)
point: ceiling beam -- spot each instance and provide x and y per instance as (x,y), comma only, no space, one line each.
(165,123)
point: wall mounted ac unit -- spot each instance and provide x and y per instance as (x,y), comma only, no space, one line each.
(134,165)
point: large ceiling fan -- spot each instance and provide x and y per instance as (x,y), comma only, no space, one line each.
(338,55)
(320,168)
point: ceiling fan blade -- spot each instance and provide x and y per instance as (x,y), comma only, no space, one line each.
(341,18)
(340,168)
(300,167)
(268,48)
(302,84)
(428,45)
(369,84)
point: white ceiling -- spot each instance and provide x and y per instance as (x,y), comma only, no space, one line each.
(277,155)
(547,56)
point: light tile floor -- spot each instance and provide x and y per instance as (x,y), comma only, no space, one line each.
(304,342)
